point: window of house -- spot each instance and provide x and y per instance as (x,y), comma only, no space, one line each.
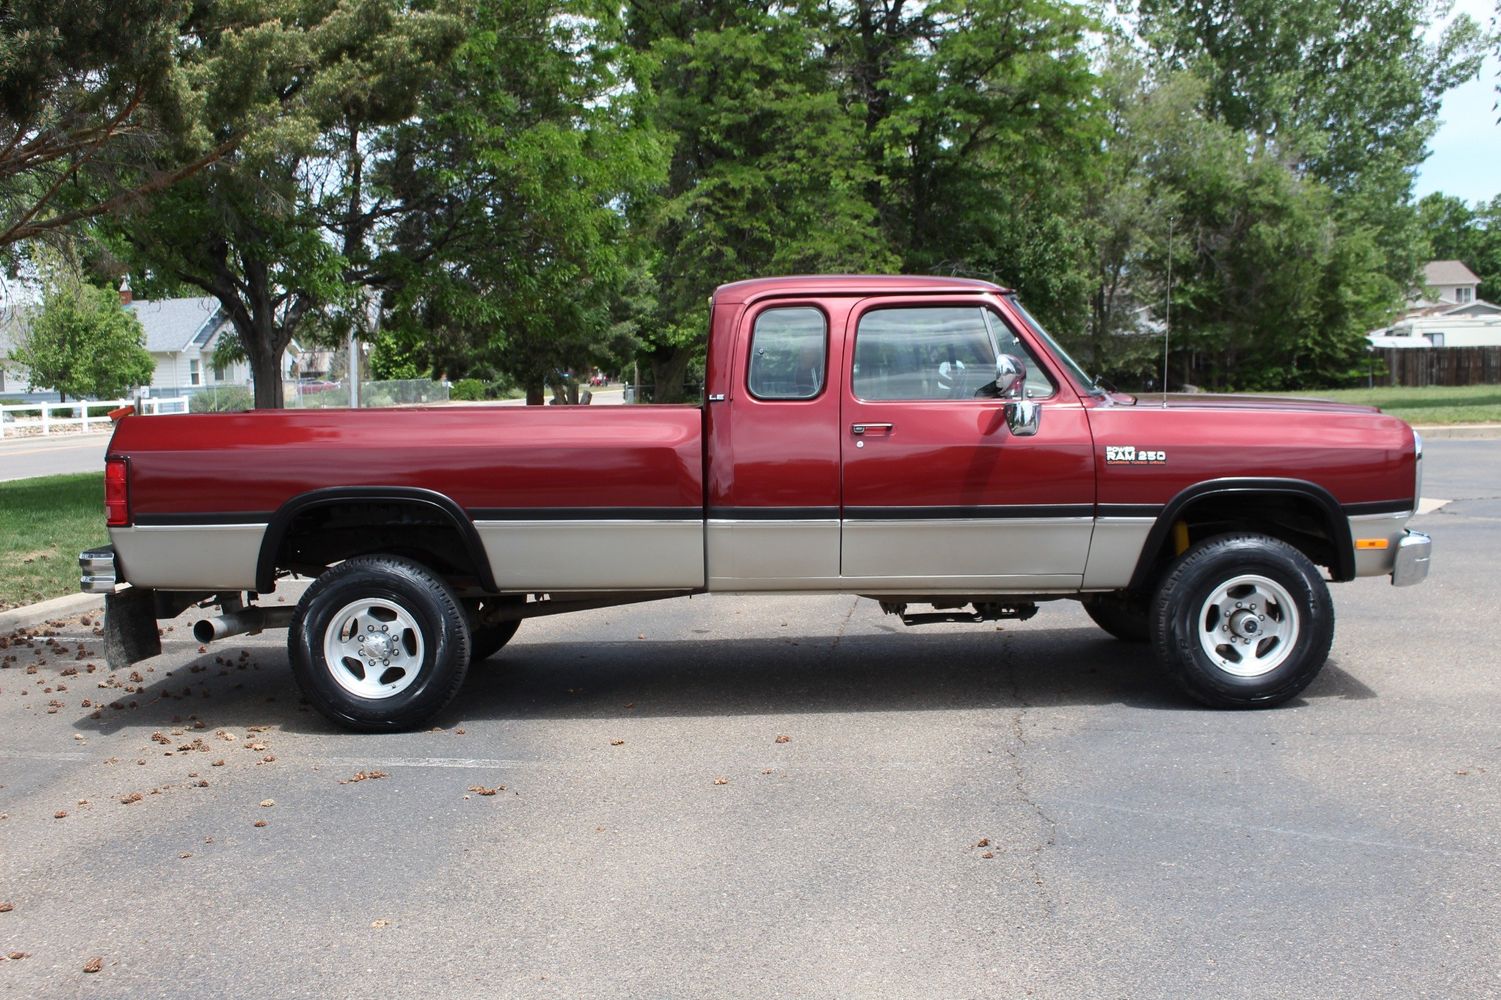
(936,352)
(789,353)
(218,372)
(195,372)
(1463,295)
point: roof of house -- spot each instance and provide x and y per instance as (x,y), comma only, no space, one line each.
(174,324)
(1448,272)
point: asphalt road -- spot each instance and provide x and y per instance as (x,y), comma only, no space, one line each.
(22,458)
(1346,845)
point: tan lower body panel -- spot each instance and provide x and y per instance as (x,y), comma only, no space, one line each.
(1114,551)
(554,556)
(965,554)
(189,557)
(1382,527)
(748,555)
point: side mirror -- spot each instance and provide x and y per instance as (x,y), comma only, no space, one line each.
(1023,416)
(1010,376)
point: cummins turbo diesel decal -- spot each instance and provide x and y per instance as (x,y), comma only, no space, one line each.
(1126,454)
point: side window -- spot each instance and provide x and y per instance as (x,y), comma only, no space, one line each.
(937,352)
(789,354)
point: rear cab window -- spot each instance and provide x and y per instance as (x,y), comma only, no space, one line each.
(789,354)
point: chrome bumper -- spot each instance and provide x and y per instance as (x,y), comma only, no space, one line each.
(1413,554)
(97,569)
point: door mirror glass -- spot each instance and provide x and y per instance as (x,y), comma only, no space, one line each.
(1010,377)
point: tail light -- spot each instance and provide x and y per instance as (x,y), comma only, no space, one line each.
(116,493)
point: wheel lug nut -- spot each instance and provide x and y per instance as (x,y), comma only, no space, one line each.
(385,663)
(384,629)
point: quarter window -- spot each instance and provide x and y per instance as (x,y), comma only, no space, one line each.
(941,352)
(789,353)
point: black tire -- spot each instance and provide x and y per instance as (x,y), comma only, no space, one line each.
(486,640)
(1127,615)
(415,632)
(1242,621)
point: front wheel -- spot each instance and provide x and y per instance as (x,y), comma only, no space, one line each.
(1242,621)
(379,643)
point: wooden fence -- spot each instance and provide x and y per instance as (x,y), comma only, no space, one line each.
(1442,365)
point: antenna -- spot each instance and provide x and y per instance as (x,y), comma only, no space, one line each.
(1167,325)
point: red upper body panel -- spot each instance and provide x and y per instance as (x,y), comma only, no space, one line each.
(744,453)
(483,457)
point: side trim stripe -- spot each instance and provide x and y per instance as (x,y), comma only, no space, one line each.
(1380,507)
(201,520)
(998,512)
(586,513)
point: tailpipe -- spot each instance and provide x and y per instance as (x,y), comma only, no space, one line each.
(246,621)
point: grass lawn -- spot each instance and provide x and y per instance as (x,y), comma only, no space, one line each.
(44,524)
(1463,404)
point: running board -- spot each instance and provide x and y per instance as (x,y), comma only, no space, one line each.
(980,611)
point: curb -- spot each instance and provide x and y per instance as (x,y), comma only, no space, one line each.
(59,607)
(1486,432)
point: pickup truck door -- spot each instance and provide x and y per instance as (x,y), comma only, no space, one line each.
(937,494)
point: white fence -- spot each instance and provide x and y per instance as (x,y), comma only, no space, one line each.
(41,419)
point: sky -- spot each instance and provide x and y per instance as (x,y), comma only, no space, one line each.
(1466,152)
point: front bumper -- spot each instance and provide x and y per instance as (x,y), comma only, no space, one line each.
(97,570)
(1413,554)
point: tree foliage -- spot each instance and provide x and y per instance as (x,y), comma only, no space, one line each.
(248,229)
(515,188)
(516,172)
(82,343)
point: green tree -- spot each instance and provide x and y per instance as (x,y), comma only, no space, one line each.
(252,229)
(979,124)
(767,175)
(83,343)
(517,172)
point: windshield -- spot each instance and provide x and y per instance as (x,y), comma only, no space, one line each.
(1057,352)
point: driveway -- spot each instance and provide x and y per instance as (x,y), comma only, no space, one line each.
(955,811)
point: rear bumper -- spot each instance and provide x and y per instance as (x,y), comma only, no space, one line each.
(97,570)
(1414,552)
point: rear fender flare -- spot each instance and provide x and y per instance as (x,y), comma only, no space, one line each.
(431,500)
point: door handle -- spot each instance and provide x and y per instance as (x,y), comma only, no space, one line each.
(862,428)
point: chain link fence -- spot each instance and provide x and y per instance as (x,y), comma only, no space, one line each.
(310,395)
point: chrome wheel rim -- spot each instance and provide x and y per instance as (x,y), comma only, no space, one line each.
(1248,626)
(373,648)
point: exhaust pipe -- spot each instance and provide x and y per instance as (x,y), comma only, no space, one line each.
(250,620)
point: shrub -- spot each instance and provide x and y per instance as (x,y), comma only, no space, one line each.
(231,400)
(467,390)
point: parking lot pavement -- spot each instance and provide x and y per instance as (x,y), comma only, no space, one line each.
(959,811)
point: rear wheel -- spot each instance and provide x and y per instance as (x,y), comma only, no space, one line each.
(379,643)
(1243,621)
(1125,615)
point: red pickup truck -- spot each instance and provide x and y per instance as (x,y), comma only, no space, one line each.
(918,440)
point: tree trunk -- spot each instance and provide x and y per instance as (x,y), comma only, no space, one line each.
(534,394)
(265,375)
(669,368)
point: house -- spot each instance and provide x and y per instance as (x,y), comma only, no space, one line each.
(1445,313)
(12,376)
(182,335)
(1450,282)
